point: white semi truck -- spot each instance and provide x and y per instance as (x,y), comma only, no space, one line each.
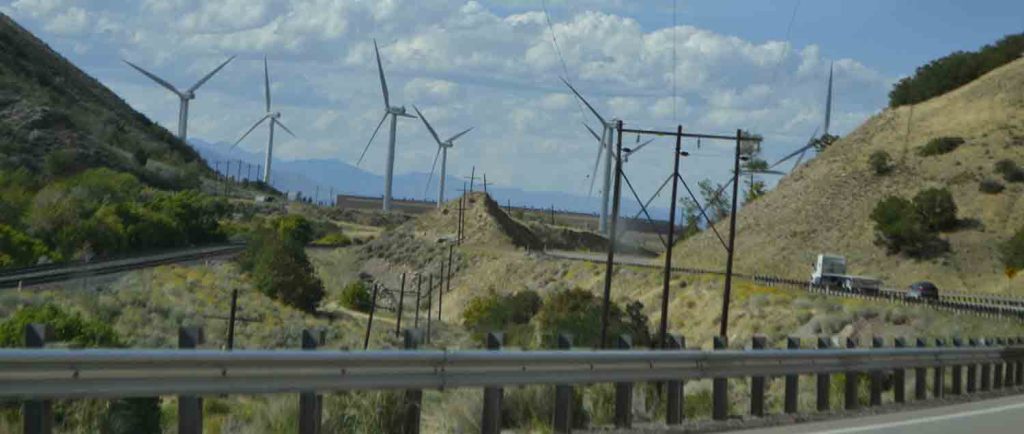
(830,272)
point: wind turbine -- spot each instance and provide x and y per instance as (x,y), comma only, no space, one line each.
(828,120)
(183,95)
(394,112)
(442,151)
(274,118)
(608,130)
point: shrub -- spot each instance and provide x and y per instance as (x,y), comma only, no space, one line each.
(880,162)
(356,296)
(1010,170)
(334,239)
(281,270)
(63,326)
(196,213)
(899,228)
(937,209)
(509,313)
(952,71)
(294,228)
(18,249)
(940,145)
(1012,250)
(578,312)
(991,186)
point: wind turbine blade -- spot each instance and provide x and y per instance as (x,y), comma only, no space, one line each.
(799,160)
(828,100)
(596,136)
(383,81)
(431,176)
(765,172)
(585,102)
(639,147)
(456,137)
(406,115)
(597,161)
(285,128)
(247,132)
(153,77)
(810,143)
(210,75)
(429,128)
(266,81)
(371,138)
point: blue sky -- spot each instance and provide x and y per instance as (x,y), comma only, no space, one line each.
(491,64)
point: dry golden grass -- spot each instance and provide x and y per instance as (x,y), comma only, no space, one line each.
(824,206)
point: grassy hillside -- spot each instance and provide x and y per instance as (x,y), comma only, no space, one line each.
(824,206)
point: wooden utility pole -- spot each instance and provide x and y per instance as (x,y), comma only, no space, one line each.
(724,329)
(401,303)
(430,296)
(369,321)
(419,292)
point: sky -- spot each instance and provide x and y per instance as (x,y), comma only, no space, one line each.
(756,65)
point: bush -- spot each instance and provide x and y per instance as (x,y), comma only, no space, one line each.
(940,145)
(294,228)
(955,70)
(937,209)
(900,229)
(63,327)
(18,249)
(334,239)
(281,270)
(509,313)
(1010,170)
(991,186)
(1012,250)
(880,162)
(356,296)
(197,214)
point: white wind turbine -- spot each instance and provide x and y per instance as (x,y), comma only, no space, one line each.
(394,112)
(608,132)
(442,150)
(183,95)
(274,118)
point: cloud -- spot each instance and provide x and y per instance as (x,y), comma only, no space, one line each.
(487,64)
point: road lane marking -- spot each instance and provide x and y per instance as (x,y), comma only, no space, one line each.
(923,420)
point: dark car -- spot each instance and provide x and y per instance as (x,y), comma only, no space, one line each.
(923,290)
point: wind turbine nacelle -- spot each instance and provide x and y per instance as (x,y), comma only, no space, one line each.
(397,110)
(188,95)
(275,115)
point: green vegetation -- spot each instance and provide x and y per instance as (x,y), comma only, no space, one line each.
(508,313)
(991,186)
(99,212)
(955,70)
(901,228)
(275,258)
(127,416)
(940,145)
(1012,250)
(1010,171)
(334,239)
(880,162)
(937,209)
(578,312)
(356,296)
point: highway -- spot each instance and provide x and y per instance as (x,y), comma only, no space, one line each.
(988,416)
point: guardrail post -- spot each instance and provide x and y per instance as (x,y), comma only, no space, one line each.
(491,423)
(563,394)
(674,389)
(37,415)
(920,377)
(997,371)
(413,398)
(624,392)
(824,380)
(958,379)
(190,408)
(876,375)
(1020,366)
(792,381)
(938,384)
(720,387)
(972,371)
(1011,367)
(899,377)
(310,404)
(852,381)
(986,369)
(757,382)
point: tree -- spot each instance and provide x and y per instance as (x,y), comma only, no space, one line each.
(356,296)
(578,312)
(1012,250)
(197,214)
(281,270)
(717,200)
(937,209)
(755,187)
(900,229)
(18,249)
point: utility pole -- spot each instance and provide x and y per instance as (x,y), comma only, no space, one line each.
(508,206)
(440,292)
(369,322)
(472,176)
(663,328)
(248,171)
(612,239)
(430,296)
(723,332)
(332,198)
(238,176)
(485,183)
(451,249)
(419,291)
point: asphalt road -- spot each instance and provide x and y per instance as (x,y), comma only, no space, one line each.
(988,416)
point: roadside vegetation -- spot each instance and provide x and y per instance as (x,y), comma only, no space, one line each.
(275,258)
(912,227)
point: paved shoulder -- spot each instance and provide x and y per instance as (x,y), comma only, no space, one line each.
(990,416)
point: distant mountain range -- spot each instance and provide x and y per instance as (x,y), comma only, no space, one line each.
(305,175)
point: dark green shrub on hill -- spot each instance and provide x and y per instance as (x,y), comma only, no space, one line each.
(356,296)
(940,145)
(1010,171)
(507,313)
(880,162)
(334,239)
(1012,250)
(991,186)
(275,258)
(900,229)
(578,312)
(195,213)
(18,249)
(957,69)
(937,209)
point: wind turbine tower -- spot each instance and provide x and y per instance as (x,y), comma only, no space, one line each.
(607,135)
(275,119)
(442,150)
(394,112)
(183,95)
(828,100)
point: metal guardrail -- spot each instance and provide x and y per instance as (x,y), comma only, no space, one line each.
(116,373)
